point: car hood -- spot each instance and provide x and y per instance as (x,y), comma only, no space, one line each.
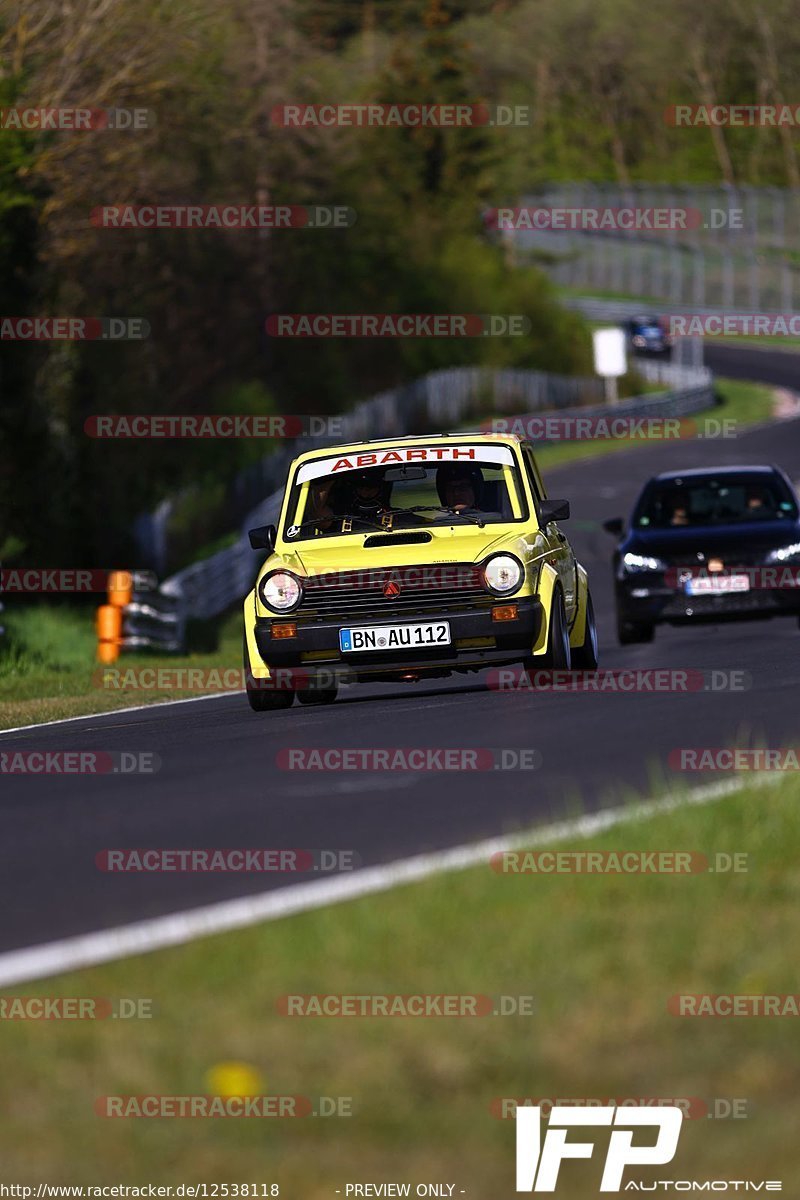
(719,541)
(448,545)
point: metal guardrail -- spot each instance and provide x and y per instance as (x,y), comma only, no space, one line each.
(209,587)
(735,248)
(437,400)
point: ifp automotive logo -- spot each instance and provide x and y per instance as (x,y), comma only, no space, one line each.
(538,1165)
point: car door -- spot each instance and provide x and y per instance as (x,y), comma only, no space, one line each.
(560,555)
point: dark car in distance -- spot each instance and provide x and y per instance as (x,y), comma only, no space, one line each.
(646,334)
(708,544)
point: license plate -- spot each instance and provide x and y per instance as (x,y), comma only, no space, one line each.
(394,637)
(717,585)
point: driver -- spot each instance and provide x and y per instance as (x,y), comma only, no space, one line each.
(460,486)
(370,499)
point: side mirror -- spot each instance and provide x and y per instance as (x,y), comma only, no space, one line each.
(263,538)
(553,510)
(614,525)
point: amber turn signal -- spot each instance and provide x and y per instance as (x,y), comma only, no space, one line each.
(284,631)
(505,612)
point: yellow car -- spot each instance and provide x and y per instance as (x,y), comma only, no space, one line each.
(411,558)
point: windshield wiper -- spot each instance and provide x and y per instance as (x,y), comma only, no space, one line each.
(414,508)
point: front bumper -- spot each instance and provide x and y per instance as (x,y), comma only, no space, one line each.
(477,642)
(651,603)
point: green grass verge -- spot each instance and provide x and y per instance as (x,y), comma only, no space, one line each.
(790,344)
(600,954)
(48,669)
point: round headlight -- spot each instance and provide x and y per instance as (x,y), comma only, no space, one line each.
(503,574)
(280,591)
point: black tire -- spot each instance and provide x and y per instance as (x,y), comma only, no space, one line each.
(629,633)
(584,657)
(260,698)
(557,655)
(312,695)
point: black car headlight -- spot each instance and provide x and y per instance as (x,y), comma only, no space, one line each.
(634,563)
(785,554)
(503,574)
(281,591)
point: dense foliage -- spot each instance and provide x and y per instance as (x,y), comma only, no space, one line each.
(597,75)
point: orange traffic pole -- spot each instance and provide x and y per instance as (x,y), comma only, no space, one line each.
(109,631)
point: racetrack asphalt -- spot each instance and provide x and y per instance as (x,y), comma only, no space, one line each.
(219,784)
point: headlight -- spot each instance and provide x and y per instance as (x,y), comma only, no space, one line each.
(642,562)
(785,554)
(503,574)
(280,591)
(639,340)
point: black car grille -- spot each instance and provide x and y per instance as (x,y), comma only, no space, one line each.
(380,593)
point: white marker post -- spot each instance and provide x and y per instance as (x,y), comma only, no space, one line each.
(609,359)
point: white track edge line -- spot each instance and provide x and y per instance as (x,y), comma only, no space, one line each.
(116,712)
(176,929)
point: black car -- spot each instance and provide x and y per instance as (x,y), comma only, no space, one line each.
(647,335)
(707,545)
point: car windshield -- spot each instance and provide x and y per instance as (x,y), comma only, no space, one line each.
(404,488)
(714,500)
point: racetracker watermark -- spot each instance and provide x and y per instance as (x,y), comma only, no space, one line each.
(79,762)
(733,1004)
(397,325)
(192,1106)
(59,580)
(618,680)
(504,1108)
(75,119)
(221,425)
(616,862)
(399,116)
(738,324)
(73,329)
(249,859)
(401,758)
(214,679)
(419,578)
(714,758)
(753,116)
(74,1008)
(422,1004)
(223,216)
(594,220)
(554,428)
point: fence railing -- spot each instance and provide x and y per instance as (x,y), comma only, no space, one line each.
(738,249)
(440,398)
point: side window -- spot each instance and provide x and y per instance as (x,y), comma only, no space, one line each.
(531,473)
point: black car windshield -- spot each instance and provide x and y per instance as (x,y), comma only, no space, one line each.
(714,500)
(403,488)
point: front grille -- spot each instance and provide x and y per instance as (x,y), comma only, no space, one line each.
(425,590)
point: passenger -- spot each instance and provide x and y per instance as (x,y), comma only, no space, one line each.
(319,507)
